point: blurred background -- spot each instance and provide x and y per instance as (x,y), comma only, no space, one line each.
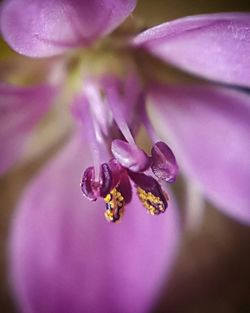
(212,270)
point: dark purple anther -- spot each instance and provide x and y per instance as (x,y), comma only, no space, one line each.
(150,193)
(93,188)
(106,180)
(86,185)
(130,156)
(164,164)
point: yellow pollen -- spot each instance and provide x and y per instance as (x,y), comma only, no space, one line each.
(114,205)
(152,203)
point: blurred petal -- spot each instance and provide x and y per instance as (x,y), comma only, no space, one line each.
(20,110)
(209,129)
(65,257)
(214,46)
(45,28)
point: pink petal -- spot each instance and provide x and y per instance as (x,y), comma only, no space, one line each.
(21,108)
(214,46)
(209,129)
(45,28)
(65,257)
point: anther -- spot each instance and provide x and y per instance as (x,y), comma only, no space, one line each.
(164,164)
(114,205)
(152,203)
(93,188)
(130,156)
(150,193)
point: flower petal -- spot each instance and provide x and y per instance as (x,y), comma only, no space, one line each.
(45,28)
(65,257)
(21,108)
(214,46)
(209,130)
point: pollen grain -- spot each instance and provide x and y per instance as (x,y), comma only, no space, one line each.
(152,203)
(114,205)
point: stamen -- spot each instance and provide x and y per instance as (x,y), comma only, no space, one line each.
(152,203)
(93,188)
(150,193)
(130,156)
(114,205)
(82,111)
(111,179)
(147,124)
(117,105)
(164,164)
(99,109)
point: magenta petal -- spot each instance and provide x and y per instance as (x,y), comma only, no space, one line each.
(65,257)
(21,108)
(209,129)
(45,28)
(214,46)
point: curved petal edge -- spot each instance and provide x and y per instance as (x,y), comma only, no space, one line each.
(208,128)
(213,46)
(46,28)
(21,108)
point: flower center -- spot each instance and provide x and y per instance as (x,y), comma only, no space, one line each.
(109,113)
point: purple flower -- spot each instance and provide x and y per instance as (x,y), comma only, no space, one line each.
(64,255)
